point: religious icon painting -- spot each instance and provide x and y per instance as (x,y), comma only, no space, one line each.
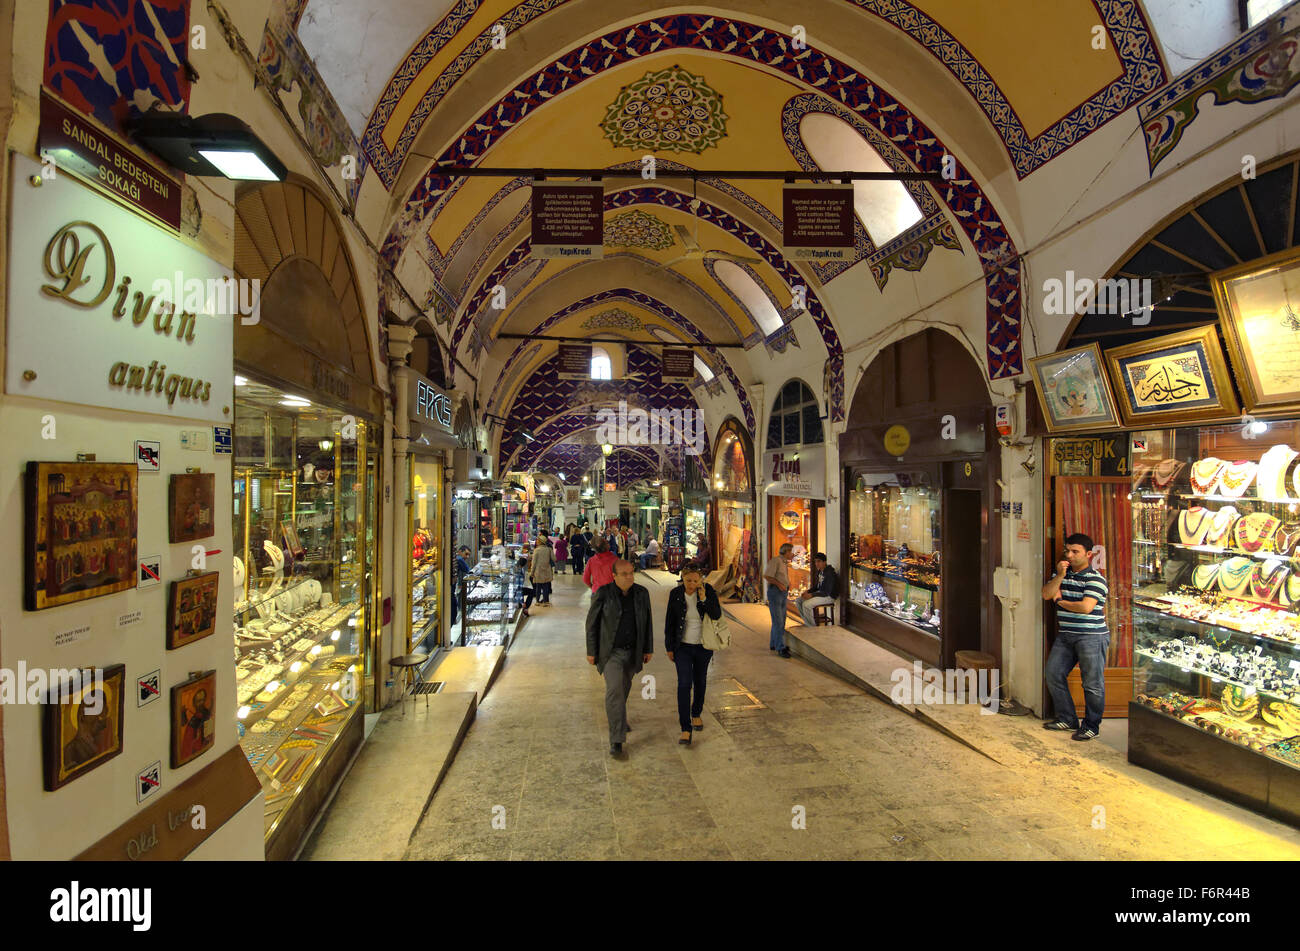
(194,728)
(80,533)
(192,609)
(191,502)
(82,723)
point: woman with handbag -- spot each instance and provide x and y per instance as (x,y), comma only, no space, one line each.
(541,570)
(690,623)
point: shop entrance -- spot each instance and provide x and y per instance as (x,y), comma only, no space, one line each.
(962,540)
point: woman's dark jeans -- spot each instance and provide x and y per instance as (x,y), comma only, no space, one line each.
(692,663)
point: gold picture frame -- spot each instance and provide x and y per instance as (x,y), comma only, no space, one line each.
(1073,390)
(1174,379)
(1259,306)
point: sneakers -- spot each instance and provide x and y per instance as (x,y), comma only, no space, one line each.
(1061,725)
(1084,733)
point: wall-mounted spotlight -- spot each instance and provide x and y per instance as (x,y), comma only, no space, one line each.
(607,449)
(215,144)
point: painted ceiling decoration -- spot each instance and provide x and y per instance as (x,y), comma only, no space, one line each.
(614,318)
(963,196)
(666,110)
(656,307)
(785,312)
(1137,70)
(1263,64)
(638,229)
(623,467)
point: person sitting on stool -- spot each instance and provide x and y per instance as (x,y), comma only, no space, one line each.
(650,554)
(823,588)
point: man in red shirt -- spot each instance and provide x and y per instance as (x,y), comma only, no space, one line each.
(600,568)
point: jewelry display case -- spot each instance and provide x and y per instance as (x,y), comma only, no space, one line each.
(301,534)
(426,578)
(894,551)
(493,598)
(1216,612)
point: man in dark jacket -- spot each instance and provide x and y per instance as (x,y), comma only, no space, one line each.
(823,588)
(688,604)
(620,640)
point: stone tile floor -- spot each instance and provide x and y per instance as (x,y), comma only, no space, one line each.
(534,780)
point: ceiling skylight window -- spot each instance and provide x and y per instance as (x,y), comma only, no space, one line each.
(600,365)
(702,369)
(886,209)
(737,280)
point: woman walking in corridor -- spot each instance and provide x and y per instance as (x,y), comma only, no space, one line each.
(600,568)
(561,553)
(542,570)
(688,604)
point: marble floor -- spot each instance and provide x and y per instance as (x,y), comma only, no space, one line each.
(792,764)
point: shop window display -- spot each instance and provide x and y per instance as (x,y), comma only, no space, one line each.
(791,522)
(426,553)
(301,479)
(1216,584)
(894,550)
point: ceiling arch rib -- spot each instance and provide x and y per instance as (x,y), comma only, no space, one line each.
(729,37)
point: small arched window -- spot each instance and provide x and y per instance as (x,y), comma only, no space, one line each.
(796,417)
(737,280)
(600,365)
(702,369)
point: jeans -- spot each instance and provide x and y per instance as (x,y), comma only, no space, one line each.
(692,662)
(528,597)
(577,563)
(646,557)
(1089,652)
(806,605)
(618,684)
(776,601)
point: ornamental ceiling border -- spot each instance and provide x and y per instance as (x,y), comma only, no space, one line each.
(641,299)
(963,196)
(1131,36)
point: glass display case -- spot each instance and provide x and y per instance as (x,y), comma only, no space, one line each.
(303,570)
(493,596)
(427,557)
(1216,596)
(894,551)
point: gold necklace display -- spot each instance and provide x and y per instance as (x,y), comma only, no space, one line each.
(1254,532)
(1288,534)
(1221,527)
(1240,704)
(1165,472)
(1235,575)
(1236,479)
(1205,474)
(1193,523)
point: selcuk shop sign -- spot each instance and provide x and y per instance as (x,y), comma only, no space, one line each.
(93,317)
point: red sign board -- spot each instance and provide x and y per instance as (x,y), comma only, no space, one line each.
(568,220)
(817,222)
(575,361)
(678,365)
(80,146)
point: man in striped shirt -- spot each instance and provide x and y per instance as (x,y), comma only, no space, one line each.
(1082,637)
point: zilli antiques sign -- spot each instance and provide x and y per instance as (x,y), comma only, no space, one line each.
(800,473)
(87,320)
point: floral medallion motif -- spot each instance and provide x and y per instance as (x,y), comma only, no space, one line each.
(638,229)
(666,111)
(615,317)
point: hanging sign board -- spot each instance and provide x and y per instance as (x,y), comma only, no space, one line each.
(678,365)
(575,361)
(568,220)
(1089,456)
(817,222)
(78,145)
(798,472)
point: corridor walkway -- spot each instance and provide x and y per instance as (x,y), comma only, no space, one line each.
(534,779)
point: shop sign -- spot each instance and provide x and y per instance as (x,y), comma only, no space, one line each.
(223,440)
(330,381)
(568,220)
(78,145)
(817,222)
(1090,456)
(575,361)
(87,321)
(800,473)
(677,365)
(429,403)
(897,439)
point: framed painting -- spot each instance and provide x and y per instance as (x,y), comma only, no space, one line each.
(81,531)
(194,728)
(81,726)
(191,498)
(1073,391)
(1259,306)
(192,609)
(1172,380)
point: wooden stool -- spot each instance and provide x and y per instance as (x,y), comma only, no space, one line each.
(978,660)
(823,614)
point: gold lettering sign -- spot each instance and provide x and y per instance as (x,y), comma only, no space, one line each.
(1171,379)
(66,259)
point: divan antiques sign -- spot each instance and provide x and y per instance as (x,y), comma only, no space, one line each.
(91,314)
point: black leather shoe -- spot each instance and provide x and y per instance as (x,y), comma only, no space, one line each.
(616,750)
(784,652)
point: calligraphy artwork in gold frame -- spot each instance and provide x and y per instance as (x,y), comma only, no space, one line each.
(1259,305)
(1073,391)
(1174,379)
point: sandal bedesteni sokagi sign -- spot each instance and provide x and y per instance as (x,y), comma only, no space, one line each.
(108,309)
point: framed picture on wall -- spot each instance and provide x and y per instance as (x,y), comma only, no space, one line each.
(194,728)
(1259,306)
(191,498)
(1073,391)
(192,609)
(1172,380)
(80,532)
(81,727)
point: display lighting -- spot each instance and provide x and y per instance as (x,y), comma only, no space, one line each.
(335,635)
(291,400)
(1258,427)
(607,449)
(243,712)
(326,445)
(217,144)
(241,380)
